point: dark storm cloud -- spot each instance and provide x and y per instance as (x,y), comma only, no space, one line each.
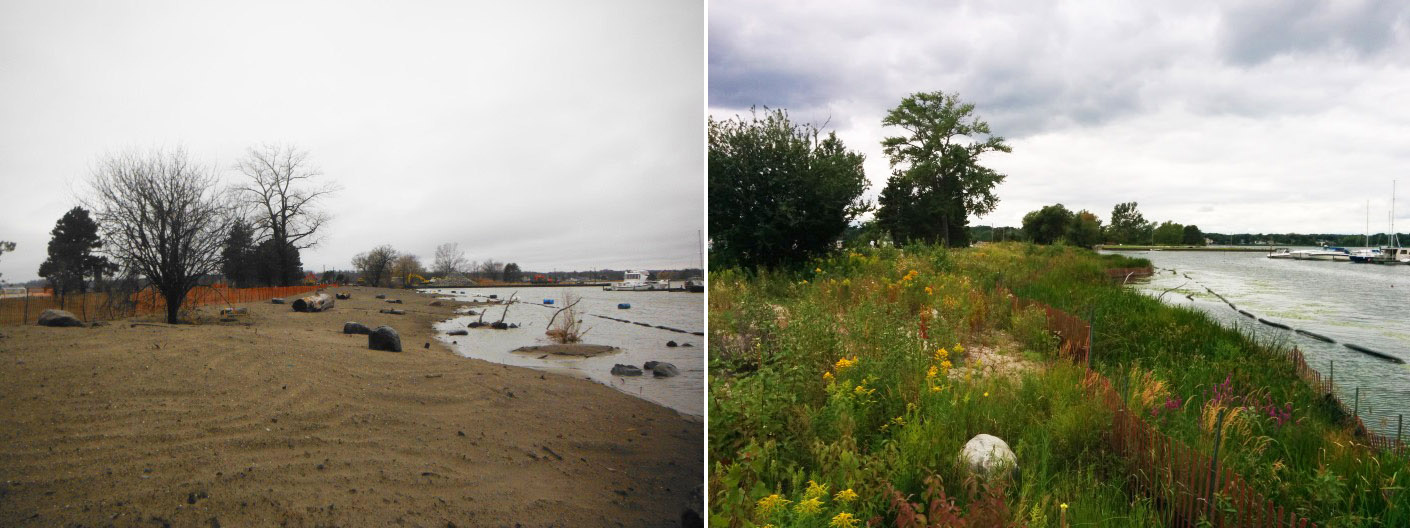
(1230,116)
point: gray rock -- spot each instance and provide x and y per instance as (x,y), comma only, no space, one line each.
(672,344)
(458,332)
(52,317)
(988,456)
(343,296)
(393,311)
(353,327)
(277,300)
(665,370)
(381,296)
(384,338)
(650,365)
(436,303)
(625,370)
(394,301)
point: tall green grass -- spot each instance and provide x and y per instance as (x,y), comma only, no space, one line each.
(794,433)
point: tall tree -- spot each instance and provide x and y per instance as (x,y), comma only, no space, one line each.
(72,260)
(375,265)
(1085,229)
(276,266)
(936,179)
(163,216)
(238,261)
(1048,224)
(1194,237)
(779,192)
(490,269)
(282,191)
(512,272)
(1128,226)
(1168,233)
(449,260)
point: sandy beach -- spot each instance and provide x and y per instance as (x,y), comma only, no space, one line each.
(278,418)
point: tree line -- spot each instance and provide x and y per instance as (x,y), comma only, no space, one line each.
(781,192)
(161,218)
(1055,223)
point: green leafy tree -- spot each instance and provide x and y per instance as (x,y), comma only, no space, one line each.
(1192,236)
(1085,229)
(71,253)
(1168,234)
(936,179)
(238,258)
(1128,226)
(512,272)
(779,192)
(1048,224)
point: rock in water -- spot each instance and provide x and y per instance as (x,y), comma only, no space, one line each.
(384,338)
(353,327)
(988,456)
(664,370)
(52,317)
(672,344)
(650,365)
(625,370)
(458,332)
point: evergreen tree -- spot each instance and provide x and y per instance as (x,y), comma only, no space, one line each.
(277,268)
(71,259)
(238,258)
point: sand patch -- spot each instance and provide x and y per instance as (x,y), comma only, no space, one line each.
(574,350)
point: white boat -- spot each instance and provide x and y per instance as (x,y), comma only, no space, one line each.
(634,280)
(1280,253)
(1392,255)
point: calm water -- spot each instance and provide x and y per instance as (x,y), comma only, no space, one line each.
(638,344)
(1362,304)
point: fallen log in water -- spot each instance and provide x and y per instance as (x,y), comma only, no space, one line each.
(1316,336)
(314,303)
(1274,324)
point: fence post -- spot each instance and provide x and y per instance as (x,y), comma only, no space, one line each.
(1399,428)
(1356,407)
(1214,462)
(24,318)
(1331,376)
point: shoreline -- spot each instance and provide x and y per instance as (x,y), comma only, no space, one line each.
(280,418)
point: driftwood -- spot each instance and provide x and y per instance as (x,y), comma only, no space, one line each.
(314,303)
(506,306)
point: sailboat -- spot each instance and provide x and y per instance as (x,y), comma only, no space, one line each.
(1392,253)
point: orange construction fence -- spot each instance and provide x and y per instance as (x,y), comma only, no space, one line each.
(95,306)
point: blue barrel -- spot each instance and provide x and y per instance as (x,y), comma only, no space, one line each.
(624,306)
(548,301)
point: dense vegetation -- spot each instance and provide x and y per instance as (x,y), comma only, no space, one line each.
(839,391)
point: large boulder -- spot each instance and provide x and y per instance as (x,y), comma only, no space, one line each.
(52,317)
(664,370)
(353,327)
(988,456)
(625,370)
(384,338)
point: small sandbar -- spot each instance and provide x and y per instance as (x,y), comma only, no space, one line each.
(575,350)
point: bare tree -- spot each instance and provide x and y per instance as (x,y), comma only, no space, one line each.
(490,269)
(162,216)
(405,266)
(375,264)
(6,246)
(449,259)
(283,198)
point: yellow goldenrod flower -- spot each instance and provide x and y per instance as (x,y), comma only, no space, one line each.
(936,388)
(843,520)
(818,270)
(946,365)
(846,495)
(900,421)
(959,349)
(827,376)
(1064,506)
(941,354)
(930,374)
(808,507)
(815,490)
(929,291)
(768,505)
(847,282)
(843,363)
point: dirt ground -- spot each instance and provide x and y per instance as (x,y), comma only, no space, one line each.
(279,419)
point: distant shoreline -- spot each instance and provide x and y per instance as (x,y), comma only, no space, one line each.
(1260,249)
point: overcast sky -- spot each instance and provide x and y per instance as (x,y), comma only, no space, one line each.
(1270,116)
(558,135)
